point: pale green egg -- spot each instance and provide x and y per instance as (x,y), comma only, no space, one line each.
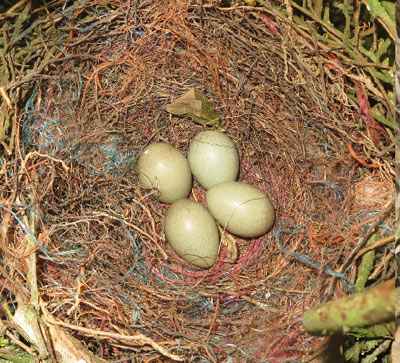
(213,158)
(192,232)
(241,209)
(164,168)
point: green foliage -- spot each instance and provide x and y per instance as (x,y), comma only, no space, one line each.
(384,11)
(368,351)
(379,331)
(361,34)
(9,353)
(366,266)
(360,318)
(366,344)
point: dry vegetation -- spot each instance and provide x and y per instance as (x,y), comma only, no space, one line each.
(82,116)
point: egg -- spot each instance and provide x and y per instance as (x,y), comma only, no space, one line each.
(192,232)
(164,168)
(241,209)
(213,158)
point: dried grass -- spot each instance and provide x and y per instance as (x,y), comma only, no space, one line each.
(103,263)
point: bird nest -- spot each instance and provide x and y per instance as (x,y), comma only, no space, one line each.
(74,214)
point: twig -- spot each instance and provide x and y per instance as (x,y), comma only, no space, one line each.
(137,229)
(377,244)
(35,73)
(347,263)
(360,160)
(308,261)
(137,339)
(4,94)
(17,342)
(365,238)
(36,153)
(14,10)
(382,264)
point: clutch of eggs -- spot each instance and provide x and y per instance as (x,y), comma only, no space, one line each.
(190,228)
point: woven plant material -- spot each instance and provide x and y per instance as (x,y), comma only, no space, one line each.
(102,261)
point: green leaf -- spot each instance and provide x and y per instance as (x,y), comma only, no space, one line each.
(378,331)
(383,46)
(361,349)
(11,357)
(299,20)
(196,106)
(366,266)
(22,18)
(378,116)
(345,7)
(383,75)
(352,355)
(390,8)
(327,16)
(377,353)
(379,11)
(4,342)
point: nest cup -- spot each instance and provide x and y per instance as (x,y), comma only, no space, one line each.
(104,269)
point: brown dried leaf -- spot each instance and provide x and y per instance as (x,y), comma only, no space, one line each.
(68,349)
(195,105)
(26,321)
(230,243)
